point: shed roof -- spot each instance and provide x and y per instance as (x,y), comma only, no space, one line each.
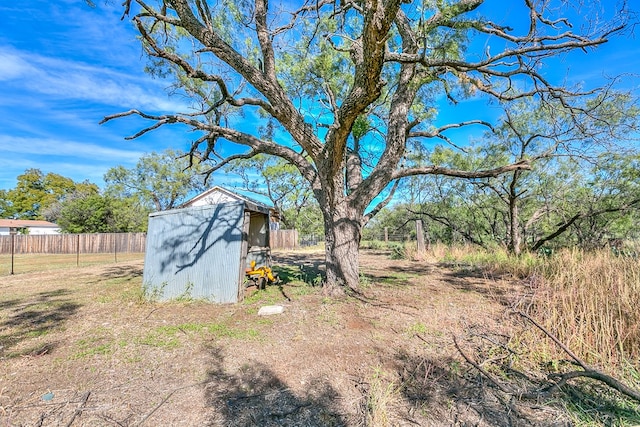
(185,209)
(26,223)
(251,203)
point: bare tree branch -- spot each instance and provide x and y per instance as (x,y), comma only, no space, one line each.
(448,223)
(563,227)
(383,203)
(214,131)
(290,66)
(438,170)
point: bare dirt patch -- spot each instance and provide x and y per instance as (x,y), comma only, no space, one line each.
(81,347)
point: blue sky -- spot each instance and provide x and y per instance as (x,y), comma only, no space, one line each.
(64,66)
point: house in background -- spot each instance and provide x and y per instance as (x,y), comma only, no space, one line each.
(202,250)
(28,226)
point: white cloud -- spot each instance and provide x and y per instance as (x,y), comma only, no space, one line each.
(72,80)
(53,147)
(12,66)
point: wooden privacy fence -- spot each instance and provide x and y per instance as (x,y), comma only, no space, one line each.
(283,239)
(74,243)
(107,243)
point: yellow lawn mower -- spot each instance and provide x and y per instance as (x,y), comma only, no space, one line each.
(260,276)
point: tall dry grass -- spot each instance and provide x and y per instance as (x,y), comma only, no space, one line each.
(437,252)
(495,261)
(591,301)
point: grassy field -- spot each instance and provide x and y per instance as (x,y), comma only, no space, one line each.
(81,346)
(27,263)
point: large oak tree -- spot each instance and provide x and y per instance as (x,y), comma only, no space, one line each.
(351,88)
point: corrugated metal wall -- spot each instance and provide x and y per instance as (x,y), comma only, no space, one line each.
(195,253)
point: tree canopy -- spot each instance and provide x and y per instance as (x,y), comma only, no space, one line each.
(561,202)
(159,181)
(36,192)
(350,91)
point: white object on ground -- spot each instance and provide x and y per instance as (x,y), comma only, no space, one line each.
(268,310)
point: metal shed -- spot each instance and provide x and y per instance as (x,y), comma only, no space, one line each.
(202,252)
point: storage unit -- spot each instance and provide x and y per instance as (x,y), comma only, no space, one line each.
(202,252)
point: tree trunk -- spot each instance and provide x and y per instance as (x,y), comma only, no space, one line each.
(514,227)
(343,228)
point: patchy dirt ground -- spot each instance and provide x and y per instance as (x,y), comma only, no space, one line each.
(81,347)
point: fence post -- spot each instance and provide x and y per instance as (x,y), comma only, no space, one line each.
(78,250)
(420,236)
(13,232)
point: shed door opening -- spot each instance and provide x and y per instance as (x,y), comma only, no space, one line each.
(258,240)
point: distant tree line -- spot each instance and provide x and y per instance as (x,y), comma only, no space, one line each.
(583,188)
(159,181)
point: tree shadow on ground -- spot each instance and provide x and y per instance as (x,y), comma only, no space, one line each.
(122,271)
(595,404)
(473,399)
(10,303)
(115,272)
(255,396)
(302,267)
(394,279)
(34,317)
(413,268)
(504,289)
(506,292)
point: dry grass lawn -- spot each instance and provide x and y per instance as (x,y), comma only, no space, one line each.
(80,346)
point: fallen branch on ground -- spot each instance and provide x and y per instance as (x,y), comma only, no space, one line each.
(589,371)
(508,403)
(559,380)
(495,382)
(78,411)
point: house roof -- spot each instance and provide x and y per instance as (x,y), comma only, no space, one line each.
(26,223)
(228,193)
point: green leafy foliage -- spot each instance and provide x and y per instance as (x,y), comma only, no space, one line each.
(596,202)
(581,189)
(96,213)
(282,184)
(35,193)
(159,181)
